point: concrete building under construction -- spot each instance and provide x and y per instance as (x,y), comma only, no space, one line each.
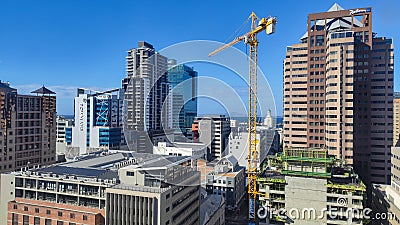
(310,183)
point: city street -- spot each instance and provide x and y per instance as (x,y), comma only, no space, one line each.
(239,216)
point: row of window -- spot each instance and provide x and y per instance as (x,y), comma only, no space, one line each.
(36,221)
(48,212)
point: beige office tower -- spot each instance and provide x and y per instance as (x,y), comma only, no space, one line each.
(396,119)
(338,91)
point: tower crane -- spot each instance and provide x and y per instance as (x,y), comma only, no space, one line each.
(250,38)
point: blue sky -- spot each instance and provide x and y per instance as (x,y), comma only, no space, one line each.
(68,44)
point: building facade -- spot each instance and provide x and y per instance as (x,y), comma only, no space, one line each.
(28,128)
(386,198)
(98,122)
(396,119)
(148,112)
(338,91)
(64,134)
(194,150)
(159,191)
(299,184)
(183,81)
(212,210)
(268,142)
(214,132)
(228,180)
(104,189)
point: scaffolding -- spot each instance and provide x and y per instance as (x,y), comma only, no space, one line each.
(309,163)
(306,162)
(356,187)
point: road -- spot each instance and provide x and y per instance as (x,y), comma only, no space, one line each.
(238,217)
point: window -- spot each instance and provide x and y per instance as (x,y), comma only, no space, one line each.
(60,223)
(25,220)
(47,222)
(26,208)
(85,217)
(36,210)
(15,207)
(59,213)
(48,212)
(14,219)
(72,215)
(36,221)
(130,174)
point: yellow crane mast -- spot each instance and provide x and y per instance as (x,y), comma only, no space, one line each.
(250,38)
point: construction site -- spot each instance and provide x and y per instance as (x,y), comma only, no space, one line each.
(307,186)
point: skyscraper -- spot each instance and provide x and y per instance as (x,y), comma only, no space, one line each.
(28,128)
(98,123)
(338,91)
(147,114)
(184,90)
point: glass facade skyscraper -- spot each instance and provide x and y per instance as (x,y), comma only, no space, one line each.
(183,81)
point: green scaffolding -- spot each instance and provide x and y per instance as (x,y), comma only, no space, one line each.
(306,158)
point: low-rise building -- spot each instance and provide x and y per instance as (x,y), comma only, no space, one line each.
(227,179)
(194,150)
(158,191)
(100,189)
(268,142)
(212,210)
(204,167)
(64,134)
(386,198)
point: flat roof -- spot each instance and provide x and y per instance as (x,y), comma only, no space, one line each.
(79,172)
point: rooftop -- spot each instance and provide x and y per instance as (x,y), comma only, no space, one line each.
(106,166)
(43,90)
(336,23)
(79,172)
(209,206)
(6,86)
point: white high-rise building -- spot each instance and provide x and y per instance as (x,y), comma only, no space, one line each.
(97,122)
